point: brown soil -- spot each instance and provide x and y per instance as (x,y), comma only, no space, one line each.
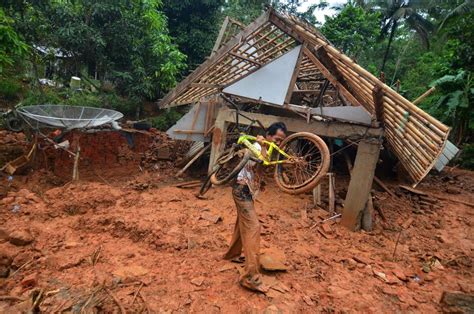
(83,244)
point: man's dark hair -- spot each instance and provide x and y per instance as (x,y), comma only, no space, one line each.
(274,127)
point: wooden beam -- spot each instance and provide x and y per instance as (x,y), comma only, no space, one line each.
(318,101)
(377,94)
(323,56)
(306,91)
(189,131)
(332,79)
(294,76)
(333,129)
(280,23)
(218,42)
(241,57)
(205,85)
(361,183)
(220,54)
(219,135)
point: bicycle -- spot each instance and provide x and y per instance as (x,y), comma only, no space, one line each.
(301,160)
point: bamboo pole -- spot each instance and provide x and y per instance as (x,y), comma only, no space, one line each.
(398,117)
(437,138)
(424,95)
(412,161)
(410,130)
(403,157)
(386,88)
(413,168)
(419,153)
(427,151)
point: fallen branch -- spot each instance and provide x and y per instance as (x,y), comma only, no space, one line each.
(22,266)
(144,302)
(384,187)
(188,184)
(10,298)
(136,293)
(422,193)
(122,309)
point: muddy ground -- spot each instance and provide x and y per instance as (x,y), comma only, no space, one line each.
(143,244)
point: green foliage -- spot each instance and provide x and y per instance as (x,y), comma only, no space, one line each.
(65,96)
(352,30)
(166,119)
(9,88)
(35,97)
(12,45)
(455,104)
(466,157)
(244,11)
(194,24)
(126,42)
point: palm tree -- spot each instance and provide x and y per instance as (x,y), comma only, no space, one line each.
(398,12)
(465,7)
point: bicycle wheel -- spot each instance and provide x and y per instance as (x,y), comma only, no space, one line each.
(206,185)
(309,163)
(231,162)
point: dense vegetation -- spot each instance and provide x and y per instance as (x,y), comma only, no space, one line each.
(130,51)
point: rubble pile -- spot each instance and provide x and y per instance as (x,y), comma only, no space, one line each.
(12,138)
(12,145)
(164,153)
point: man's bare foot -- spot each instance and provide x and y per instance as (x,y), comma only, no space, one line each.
(254,283)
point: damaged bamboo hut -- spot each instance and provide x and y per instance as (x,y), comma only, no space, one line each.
(288,70)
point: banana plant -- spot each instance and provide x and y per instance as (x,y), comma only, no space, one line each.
(455,106)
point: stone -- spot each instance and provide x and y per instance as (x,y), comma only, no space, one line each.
(29,281)
(71,244)
(7,200)
(22,258)
(308,300)
(3,234)
(5,263)
(351,264)
(272,309)
(273,260)
(130,273)
(326,228)
(399,274)
(198,281)
(20,237)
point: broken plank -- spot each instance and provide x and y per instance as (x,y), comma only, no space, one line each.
(384,187)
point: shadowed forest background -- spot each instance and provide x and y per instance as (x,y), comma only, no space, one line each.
(129,53)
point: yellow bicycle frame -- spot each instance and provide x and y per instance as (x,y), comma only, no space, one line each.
(246,139)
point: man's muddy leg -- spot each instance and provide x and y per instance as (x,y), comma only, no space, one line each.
(250,233)
(235,246)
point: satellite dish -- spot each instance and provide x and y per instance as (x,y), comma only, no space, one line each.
(68,117)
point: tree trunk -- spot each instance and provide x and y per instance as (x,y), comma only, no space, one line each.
(390,39)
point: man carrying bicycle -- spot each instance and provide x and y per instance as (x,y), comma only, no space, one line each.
(247,227)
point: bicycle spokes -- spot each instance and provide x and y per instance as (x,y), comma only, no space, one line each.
(304,162)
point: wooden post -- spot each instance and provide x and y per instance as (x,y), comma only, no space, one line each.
(219,136)
(332,196)
(377,94)
(361,183)
(317,195)
(367,221)
(75,170)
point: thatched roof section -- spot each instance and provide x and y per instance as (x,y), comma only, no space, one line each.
(414,136)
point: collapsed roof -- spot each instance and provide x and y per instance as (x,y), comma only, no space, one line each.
(414,136)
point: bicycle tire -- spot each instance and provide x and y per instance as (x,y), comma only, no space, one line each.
(243,161)
(318,174)
(206,185)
